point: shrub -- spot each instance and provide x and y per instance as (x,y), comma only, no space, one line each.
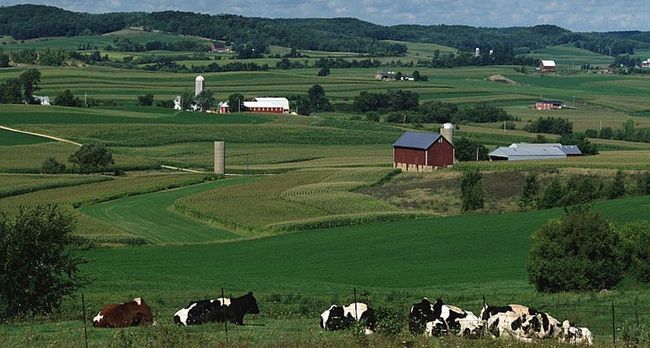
(554,125)
(389,320)
(577,252)
(616,188)
(92,158)
(52,166)
(145,100)
(529,192)
(634,335)
(643,184)
(471,188)
(552,194)
(635,245)
(372,116)
(66,98)
(37,269)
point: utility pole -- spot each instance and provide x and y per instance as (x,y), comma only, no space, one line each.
(574,101)
(477,154)
(86,99)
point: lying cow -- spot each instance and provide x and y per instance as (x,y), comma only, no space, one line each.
(338,318)
(520,322)
(132,313)
(440,319)
(219,310)
(575,335)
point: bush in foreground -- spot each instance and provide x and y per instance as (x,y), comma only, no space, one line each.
(577,252)
(37,269)
(52,166)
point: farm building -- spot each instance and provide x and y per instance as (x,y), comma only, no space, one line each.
(645,63)
(548,105)
(525,151)
(274,105)
(547,66)
(420,151)
(199,85)
(43,100)
(381,75)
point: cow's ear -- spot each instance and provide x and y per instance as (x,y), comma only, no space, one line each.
(250,293)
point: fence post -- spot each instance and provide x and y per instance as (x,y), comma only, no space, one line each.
(613,323)
(225,317)
(356,314)
(83,311)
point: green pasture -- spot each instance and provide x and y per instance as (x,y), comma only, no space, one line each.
(37,114)
(571,57)
(151,217)
(12,138)
(461,85)
(296,276)
(15,184)
(424,49)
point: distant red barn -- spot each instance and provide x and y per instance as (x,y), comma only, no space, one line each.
(420,151)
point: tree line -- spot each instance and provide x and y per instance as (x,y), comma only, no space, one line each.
(337,34)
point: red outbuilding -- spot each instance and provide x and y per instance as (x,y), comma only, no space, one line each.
(420,151)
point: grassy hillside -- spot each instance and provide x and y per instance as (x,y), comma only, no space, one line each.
(571,57)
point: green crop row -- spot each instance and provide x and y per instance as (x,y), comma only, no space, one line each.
(11,184)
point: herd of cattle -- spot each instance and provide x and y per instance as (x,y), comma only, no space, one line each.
(514,321)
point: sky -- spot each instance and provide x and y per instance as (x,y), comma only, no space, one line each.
(576,15)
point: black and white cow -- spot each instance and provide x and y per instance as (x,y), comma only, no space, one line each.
(421,314)
(575,335)
(219,310)
(520,322)
(342,317)
(440,319)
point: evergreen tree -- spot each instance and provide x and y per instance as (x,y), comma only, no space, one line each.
(471,188)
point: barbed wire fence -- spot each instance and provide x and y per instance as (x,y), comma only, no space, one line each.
(608,320)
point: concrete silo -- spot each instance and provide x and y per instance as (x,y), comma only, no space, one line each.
(219,157)
(447,131)
(199,84)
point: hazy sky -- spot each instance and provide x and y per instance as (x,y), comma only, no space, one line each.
(577,15)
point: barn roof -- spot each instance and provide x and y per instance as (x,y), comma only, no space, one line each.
(550,101)
(571,149)
(528,152)
(548,63)
(417,140)
(269,103)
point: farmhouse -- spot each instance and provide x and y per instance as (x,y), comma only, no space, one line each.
(548,105)
(381,75)
(420,151)
(526,151)
(645,63)
(274,105)
(547,66)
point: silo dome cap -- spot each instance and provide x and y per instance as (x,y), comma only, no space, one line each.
(448,126)
(200,78)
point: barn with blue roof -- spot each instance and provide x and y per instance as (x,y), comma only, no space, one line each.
(422,151)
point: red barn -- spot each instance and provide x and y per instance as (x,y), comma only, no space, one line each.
(419,151)
(548,105)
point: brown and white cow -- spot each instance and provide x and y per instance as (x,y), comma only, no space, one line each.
(132,313)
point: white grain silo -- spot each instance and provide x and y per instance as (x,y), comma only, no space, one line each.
(219,157)
(477,52)
(447,131)
(199,84)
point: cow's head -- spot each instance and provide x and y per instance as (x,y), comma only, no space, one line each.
(436,328)
(251,304)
